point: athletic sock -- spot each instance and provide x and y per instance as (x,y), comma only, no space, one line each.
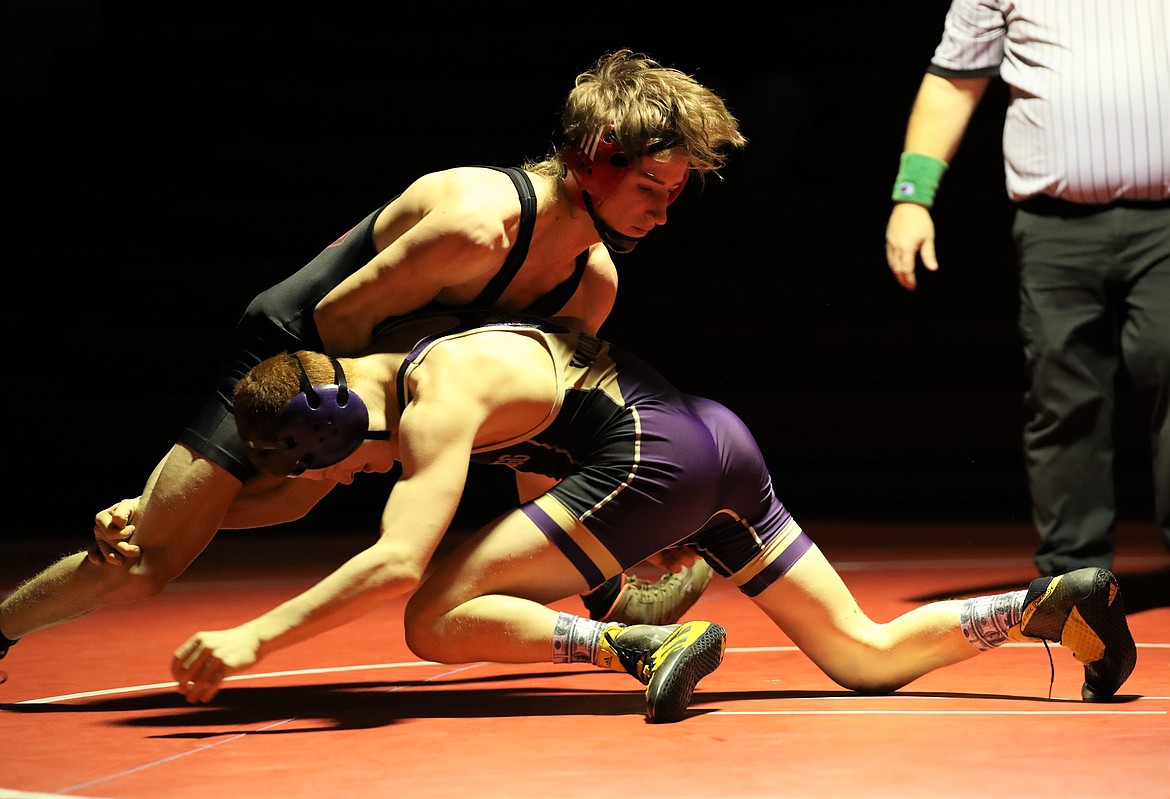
(578,640)
(986,619)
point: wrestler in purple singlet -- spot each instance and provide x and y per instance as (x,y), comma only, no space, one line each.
(642,465)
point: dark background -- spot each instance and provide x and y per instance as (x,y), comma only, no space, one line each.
(163,169)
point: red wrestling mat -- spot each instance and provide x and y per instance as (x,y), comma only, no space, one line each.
(88,709)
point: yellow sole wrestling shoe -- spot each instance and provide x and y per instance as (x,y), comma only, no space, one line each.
(1083,610)
(692,652)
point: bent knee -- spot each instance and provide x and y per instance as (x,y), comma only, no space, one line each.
(867,670)
(423,635)
(436,628)
(862,683)
(427,642)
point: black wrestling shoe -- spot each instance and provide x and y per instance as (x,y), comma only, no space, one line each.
(669,667)
(1083,611)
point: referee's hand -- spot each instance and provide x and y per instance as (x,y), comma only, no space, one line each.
(909,236)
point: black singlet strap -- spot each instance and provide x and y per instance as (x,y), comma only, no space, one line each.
(495,287)
(548,304)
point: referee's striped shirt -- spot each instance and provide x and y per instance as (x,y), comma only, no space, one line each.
(1089,119)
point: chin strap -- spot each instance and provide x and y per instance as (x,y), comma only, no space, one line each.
(617,242)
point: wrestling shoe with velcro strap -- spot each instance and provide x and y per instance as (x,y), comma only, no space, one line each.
(1083,611)
(669,660)
(663,601)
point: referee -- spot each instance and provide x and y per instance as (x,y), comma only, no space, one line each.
(1086,146)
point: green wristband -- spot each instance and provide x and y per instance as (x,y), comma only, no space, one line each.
(918,179)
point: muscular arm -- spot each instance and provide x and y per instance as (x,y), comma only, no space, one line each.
(442,239)
(264,501)
(593,300)
(435,442)
(418,512)
(261,502)
(938,120)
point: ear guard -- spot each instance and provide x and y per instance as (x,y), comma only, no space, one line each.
(323,425)
(599,166)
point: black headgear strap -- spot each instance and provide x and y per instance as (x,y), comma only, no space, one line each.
(322,425)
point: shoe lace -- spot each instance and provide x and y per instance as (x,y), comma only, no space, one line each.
(634,660)
(647,592)
(664,592)
(1051,668)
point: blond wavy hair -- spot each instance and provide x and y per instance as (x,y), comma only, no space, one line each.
(652,107)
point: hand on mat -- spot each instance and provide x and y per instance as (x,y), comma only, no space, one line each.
(112,529)
(201,664)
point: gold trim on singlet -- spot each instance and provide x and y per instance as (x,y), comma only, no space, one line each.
(775,549)
(579,533)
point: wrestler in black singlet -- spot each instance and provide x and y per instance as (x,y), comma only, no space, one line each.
(280,319)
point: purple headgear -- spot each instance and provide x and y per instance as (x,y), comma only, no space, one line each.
(323,425)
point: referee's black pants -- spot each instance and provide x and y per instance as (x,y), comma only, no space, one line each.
(1094,306)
